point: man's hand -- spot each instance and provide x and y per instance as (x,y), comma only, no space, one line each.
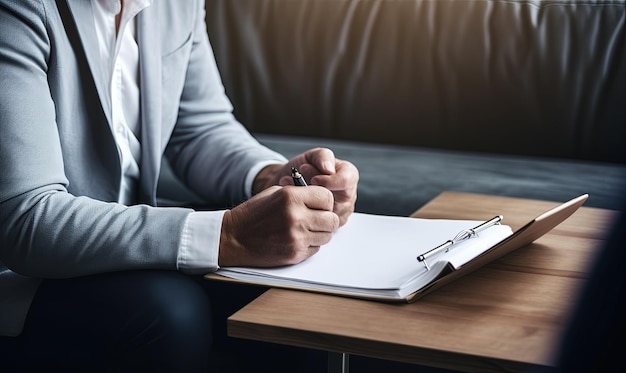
(285,225)
(279,226)
(319,167)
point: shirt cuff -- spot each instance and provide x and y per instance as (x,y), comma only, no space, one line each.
(253,172)
(199,247)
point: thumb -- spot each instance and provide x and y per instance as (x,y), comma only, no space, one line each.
(322,159)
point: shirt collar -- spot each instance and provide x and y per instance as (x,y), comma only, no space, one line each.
(131,7)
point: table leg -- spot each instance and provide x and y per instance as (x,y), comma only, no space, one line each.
(338,362)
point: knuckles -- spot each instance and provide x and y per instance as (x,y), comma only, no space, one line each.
(314,197)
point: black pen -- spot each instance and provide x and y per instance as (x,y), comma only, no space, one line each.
(297,177)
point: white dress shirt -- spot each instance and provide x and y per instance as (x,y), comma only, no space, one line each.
(199,248)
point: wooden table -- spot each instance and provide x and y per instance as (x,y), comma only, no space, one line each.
(507,316)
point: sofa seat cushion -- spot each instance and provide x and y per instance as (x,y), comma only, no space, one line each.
(397,180)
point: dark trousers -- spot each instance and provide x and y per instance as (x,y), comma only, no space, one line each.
(157,321)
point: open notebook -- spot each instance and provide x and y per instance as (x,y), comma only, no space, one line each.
(374,256)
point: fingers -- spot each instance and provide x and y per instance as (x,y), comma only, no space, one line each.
(285,225)
(345,178)
(341,176)
(343,185)
(321,222)
(322,159)
(314,197)
(317,219)
(278,226)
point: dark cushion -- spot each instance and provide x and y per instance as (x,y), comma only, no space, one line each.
(397,180)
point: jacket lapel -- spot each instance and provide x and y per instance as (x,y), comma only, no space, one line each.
(82,14)
(148,38)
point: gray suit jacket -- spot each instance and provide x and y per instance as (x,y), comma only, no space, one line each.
(59,166)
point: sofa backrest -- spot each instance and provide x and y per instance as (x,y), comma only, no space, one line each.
(540,78)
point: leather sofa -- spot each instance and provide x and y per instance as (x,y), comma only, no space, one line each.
(516,98)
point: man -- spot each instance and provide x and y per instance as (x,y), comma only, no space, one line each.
(94,93)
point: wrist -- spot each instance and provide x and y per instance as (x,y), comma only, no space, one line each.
(227,245)
(267,177)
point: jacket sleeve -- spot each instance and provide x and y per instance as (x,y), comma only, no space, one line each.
(209,149)
(44,230)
